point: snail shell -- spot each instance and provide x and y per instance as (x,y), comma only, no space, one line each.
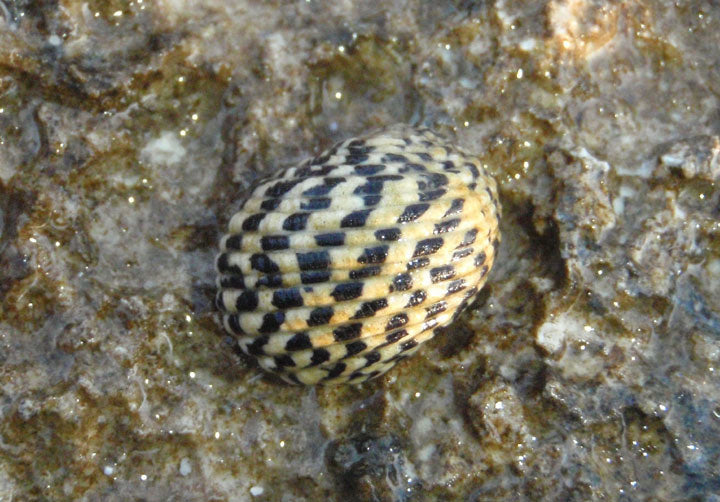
(335,270)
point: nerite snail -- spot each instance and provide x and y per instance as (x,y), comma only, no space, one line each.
(335,270)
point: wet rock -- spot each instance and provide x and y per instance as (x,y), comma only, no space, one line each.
(373,468)
(697,157)
(496,413)
(129,131)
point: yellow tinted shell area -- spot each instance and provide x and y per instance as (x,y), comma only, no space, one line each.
(335,270)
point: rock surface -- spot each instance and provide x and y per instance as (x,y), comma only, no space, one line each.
(587,369)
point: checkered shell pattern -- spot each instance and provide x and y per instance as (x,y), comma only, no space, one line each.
(335,270)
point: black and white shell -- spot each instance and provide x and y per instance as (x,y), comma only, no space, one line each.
(335,270)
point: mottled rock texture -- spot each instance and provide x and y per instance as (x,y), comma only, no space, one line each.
(586,370)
